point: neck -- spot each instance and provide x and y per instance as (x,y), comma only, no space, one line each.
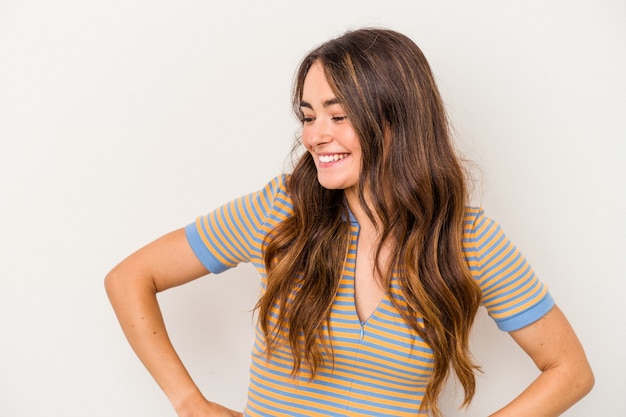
(357,210)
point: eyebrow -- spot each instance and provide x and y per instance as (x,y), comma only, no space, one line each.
(326,103)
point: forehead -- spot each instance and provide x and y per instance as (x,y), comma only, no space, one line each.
(316,89)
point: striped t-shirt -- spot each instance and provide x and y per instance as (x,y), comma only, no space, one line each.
(381,366)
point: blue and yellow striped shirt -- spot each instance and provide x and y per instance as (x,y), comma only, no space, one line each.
(381,366)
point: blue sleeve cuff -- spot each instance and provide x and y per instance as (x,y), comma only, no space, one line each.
(527,317)
(207,259)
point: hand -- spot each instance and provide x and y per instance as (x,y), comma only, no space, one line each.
(221,411)
(205,408)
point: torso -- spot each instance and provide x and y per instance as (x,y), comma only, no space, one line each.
(380,366)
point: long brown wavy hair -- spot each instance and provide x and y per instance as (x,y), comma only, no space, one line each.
(417,197)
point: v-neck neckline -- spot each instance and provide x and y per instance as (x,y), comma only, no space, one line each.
(352,275)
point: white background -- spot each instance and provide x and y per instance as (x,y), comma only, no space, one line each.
(122,120)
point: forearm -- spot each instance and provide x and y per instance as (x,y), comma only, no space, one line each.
(566,375)
(137,309)
(553,392)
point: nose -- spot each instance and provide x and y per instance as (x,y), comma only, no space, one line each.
(317,133)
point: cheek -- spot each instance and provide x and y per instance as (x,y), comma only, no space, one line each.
(355,145)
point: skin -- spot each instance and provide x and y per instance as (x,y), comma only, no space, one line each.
(132,287)
(566,375)
(326,132)
(169,261)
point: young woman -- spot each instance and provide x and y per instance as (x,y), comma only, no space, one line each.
(373,265)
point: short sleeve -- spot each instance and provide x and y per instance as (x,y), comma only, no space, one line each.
(235,232)
(512,293)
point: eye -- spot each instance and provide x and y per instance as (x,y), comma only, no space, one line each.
(339,118)
(307,119)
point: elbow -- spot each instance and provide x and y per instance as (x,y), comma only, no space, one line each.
(576,377)
(118,282)
(587,380)
(111,282)
(581,380)
(125,280)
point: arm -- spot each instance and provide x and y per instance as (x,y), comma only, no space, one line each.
(565,376)
(132,287)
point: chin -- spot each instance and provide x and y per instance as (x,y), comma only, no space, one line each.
(333,184)
(325,183)
(329,186)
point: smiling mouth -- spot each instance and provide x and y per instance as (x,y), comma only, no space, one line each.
(332,158)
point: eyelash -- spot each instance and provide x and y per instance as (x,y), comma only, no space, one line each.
(334,119)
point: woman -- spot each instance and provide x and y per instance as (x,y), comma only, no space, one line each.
(373,266)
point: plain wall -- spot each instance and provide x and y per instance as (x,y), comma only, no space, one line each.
(122,120)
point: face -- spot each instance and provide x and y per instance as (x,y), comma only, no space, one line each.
(328,134)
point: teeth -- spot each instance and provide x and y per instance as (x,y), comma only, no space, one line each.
(332,158)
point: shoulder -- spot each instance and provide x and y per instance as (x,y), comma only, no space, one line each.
(276,187)
(480,232)
(278,184)
(276,192)
(474,220)
(471,214)
(272,203)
